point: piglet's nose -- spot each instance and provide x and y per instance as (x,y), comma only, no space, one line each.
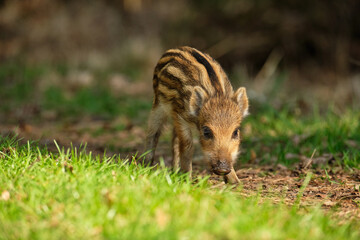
(222,168)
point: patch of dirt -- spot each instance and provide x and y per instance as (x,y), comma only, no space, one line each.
(335,189)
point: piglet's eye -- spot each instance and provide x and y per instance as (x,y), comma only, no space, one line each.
(235,134)
(207,133)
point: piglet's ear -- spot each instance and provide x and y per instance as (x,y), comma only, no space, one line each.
(197,99)
(241,98)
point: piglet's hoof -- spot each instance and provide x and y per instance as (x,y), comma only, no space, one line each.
(232,178)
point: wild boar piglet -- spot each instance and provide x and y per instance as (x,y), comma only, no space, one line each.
(192,89)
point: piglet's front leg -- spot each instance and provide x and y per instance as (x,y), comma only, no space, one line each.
(231,177)
(185,145)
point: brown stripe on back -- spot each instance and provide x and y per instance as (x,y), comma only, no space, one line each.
(214,80)
(170,81)
(221,76)
(178,67)
(171,56)
(186,71)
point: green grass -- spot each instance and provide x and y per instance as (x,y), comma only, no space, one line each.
(94,102)
(273,134)
(74,195)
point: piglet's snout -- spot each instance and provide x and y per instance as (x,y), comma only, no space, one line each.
(221,167)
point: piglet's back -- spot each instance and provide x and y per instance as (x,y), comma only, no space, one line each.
(180,70)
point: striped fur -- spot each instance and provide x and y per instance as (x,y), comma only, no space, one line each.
(192,89)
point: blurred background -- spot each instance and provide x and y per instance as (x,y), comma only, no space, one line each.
(63,59)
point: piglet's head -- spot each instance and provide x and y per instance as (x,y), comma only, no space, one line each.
(219,119)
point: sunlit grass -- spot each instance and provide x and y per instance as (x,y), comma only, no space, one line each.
(74,195)
(274,133)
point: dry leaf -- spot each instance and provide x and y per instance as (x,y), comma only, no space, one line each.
(68,167)
(5,195)
(329,203)
(162,218)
